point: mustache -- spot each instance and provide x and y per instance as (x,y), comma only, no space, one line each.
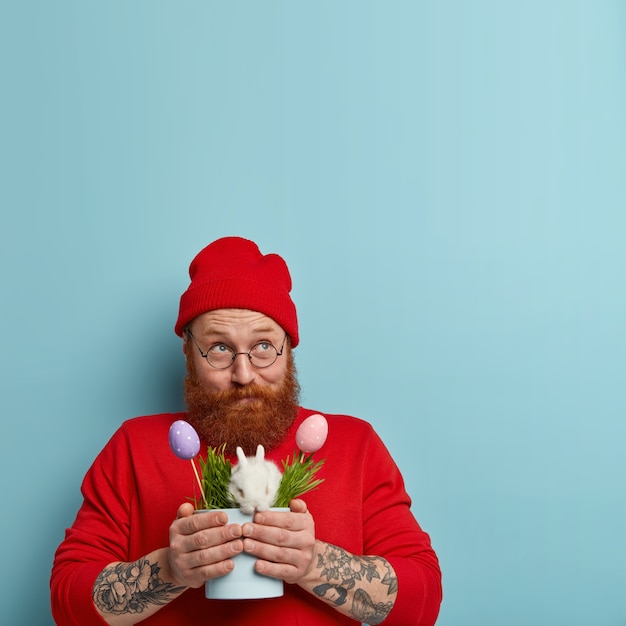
(230,396)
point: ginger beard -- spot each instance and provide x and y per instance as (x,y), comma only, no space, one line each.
(220,417)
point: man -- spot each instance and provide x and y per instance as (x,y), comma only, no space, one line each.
(349,551)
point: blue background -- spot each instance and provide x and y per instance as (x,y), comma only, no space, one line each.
(446,182)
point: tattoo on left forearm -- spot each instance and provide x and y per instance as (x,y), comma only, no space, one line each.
(364,610)
(344,571)
(131,588)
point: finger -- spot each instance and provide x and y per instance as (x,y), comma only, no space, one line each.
(210,537)
(271,542)
(288,573)
(208,572)
(288,564)
(298,538)
(283,519)
(205,554)
(184,510)
(298,506)
(190,524)
(213,554)
(194,568)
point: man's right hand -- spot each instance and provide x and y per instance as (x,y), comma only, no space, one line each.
(202,546)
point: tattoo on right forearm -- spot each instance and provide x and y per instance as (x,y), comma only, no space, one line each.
(344,571)
(131,588)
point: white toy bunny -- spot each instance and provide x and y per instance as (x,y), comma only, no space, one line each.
(254,482)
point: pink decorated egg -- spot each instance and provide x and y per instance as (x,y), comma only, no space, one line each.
(312,433)
(184,440)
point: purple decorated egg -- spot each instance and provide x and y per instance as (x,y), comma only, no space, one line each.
(312,433)
(184,440)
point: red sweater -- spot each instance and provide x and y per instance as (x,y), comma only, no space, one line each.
(136,484)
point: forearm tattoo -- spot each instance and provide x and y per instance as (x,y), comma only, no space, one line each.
(344,572)
(131,588)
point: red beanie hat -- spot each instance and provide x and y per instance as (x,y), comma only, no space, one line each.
(231,273)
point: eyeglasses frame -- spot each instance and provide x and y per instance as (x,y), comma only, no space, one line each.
(205,355)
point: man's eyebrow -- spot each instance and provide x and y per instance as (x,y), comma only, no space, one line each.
(212,334)
(261,330)
(264,330)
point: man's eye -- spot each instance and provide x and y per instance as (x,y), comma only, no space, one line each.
(219,348)
(264,346)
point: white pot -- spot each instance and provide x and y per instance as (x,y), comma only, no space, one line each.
(243,582)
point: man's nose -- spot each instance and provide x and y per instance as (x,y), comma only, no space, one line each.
(242,370)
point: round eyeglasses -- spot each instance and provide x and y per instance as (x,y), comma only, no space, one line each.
(221,356)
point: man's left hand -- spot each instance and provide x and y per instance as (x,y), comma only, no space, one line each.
(283,541)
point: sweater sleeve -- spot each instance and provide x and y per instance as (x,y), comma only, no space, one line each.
(98,536)
(391,531)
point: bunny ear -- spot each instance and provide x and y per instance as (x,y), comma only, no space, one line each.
(241,456)
(260,453)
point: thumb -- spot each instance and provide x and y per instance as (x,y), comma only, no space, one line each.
(298,506)
(184,510)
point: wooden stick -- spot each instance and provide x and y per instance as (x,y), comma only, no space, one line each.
(195,471)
